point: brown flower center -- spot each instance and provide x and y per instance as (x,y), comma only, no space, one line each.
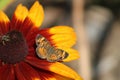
(13,47)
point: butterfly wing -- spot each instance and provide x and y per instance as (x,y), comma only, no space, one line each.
(56,55)
(42,46)
(41,52)
(51,56)
(39,40)
(61,54)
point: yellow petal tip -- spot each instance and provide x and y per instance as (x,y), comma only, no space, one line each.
(65,71)
(36,14)
(21,12)
(62,36)
(3,17)
(73,54)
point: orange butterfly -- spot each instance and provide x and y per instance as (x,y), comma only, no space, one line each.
(44,50)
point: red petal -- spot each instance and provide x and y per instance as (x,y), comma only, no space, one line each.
(38,62)
(30,37)
(4,27)
(0,63)
(47,75)
(7,72)
(32,51)
(45,33)
(26,27)
(18,73)
(26,72)
(15,24)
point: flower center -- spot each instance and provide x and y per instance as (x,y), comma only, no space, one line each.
(13,47)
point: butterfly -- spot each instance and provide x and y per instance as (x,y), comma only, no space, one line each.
(46,51)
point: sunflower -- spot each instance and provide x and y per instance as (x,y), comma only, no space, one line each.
(18,59)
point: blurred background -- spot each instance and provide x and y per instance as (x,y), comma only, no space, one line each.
(97,25)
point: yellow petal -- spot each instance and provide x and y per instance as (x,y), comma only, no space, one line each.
(36,14)
(61,29)
(47,75)
(62,36)
(55,67)
(21,12)
(4,23)
(73,54)
(59,77)
(63,70)
(3,17)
